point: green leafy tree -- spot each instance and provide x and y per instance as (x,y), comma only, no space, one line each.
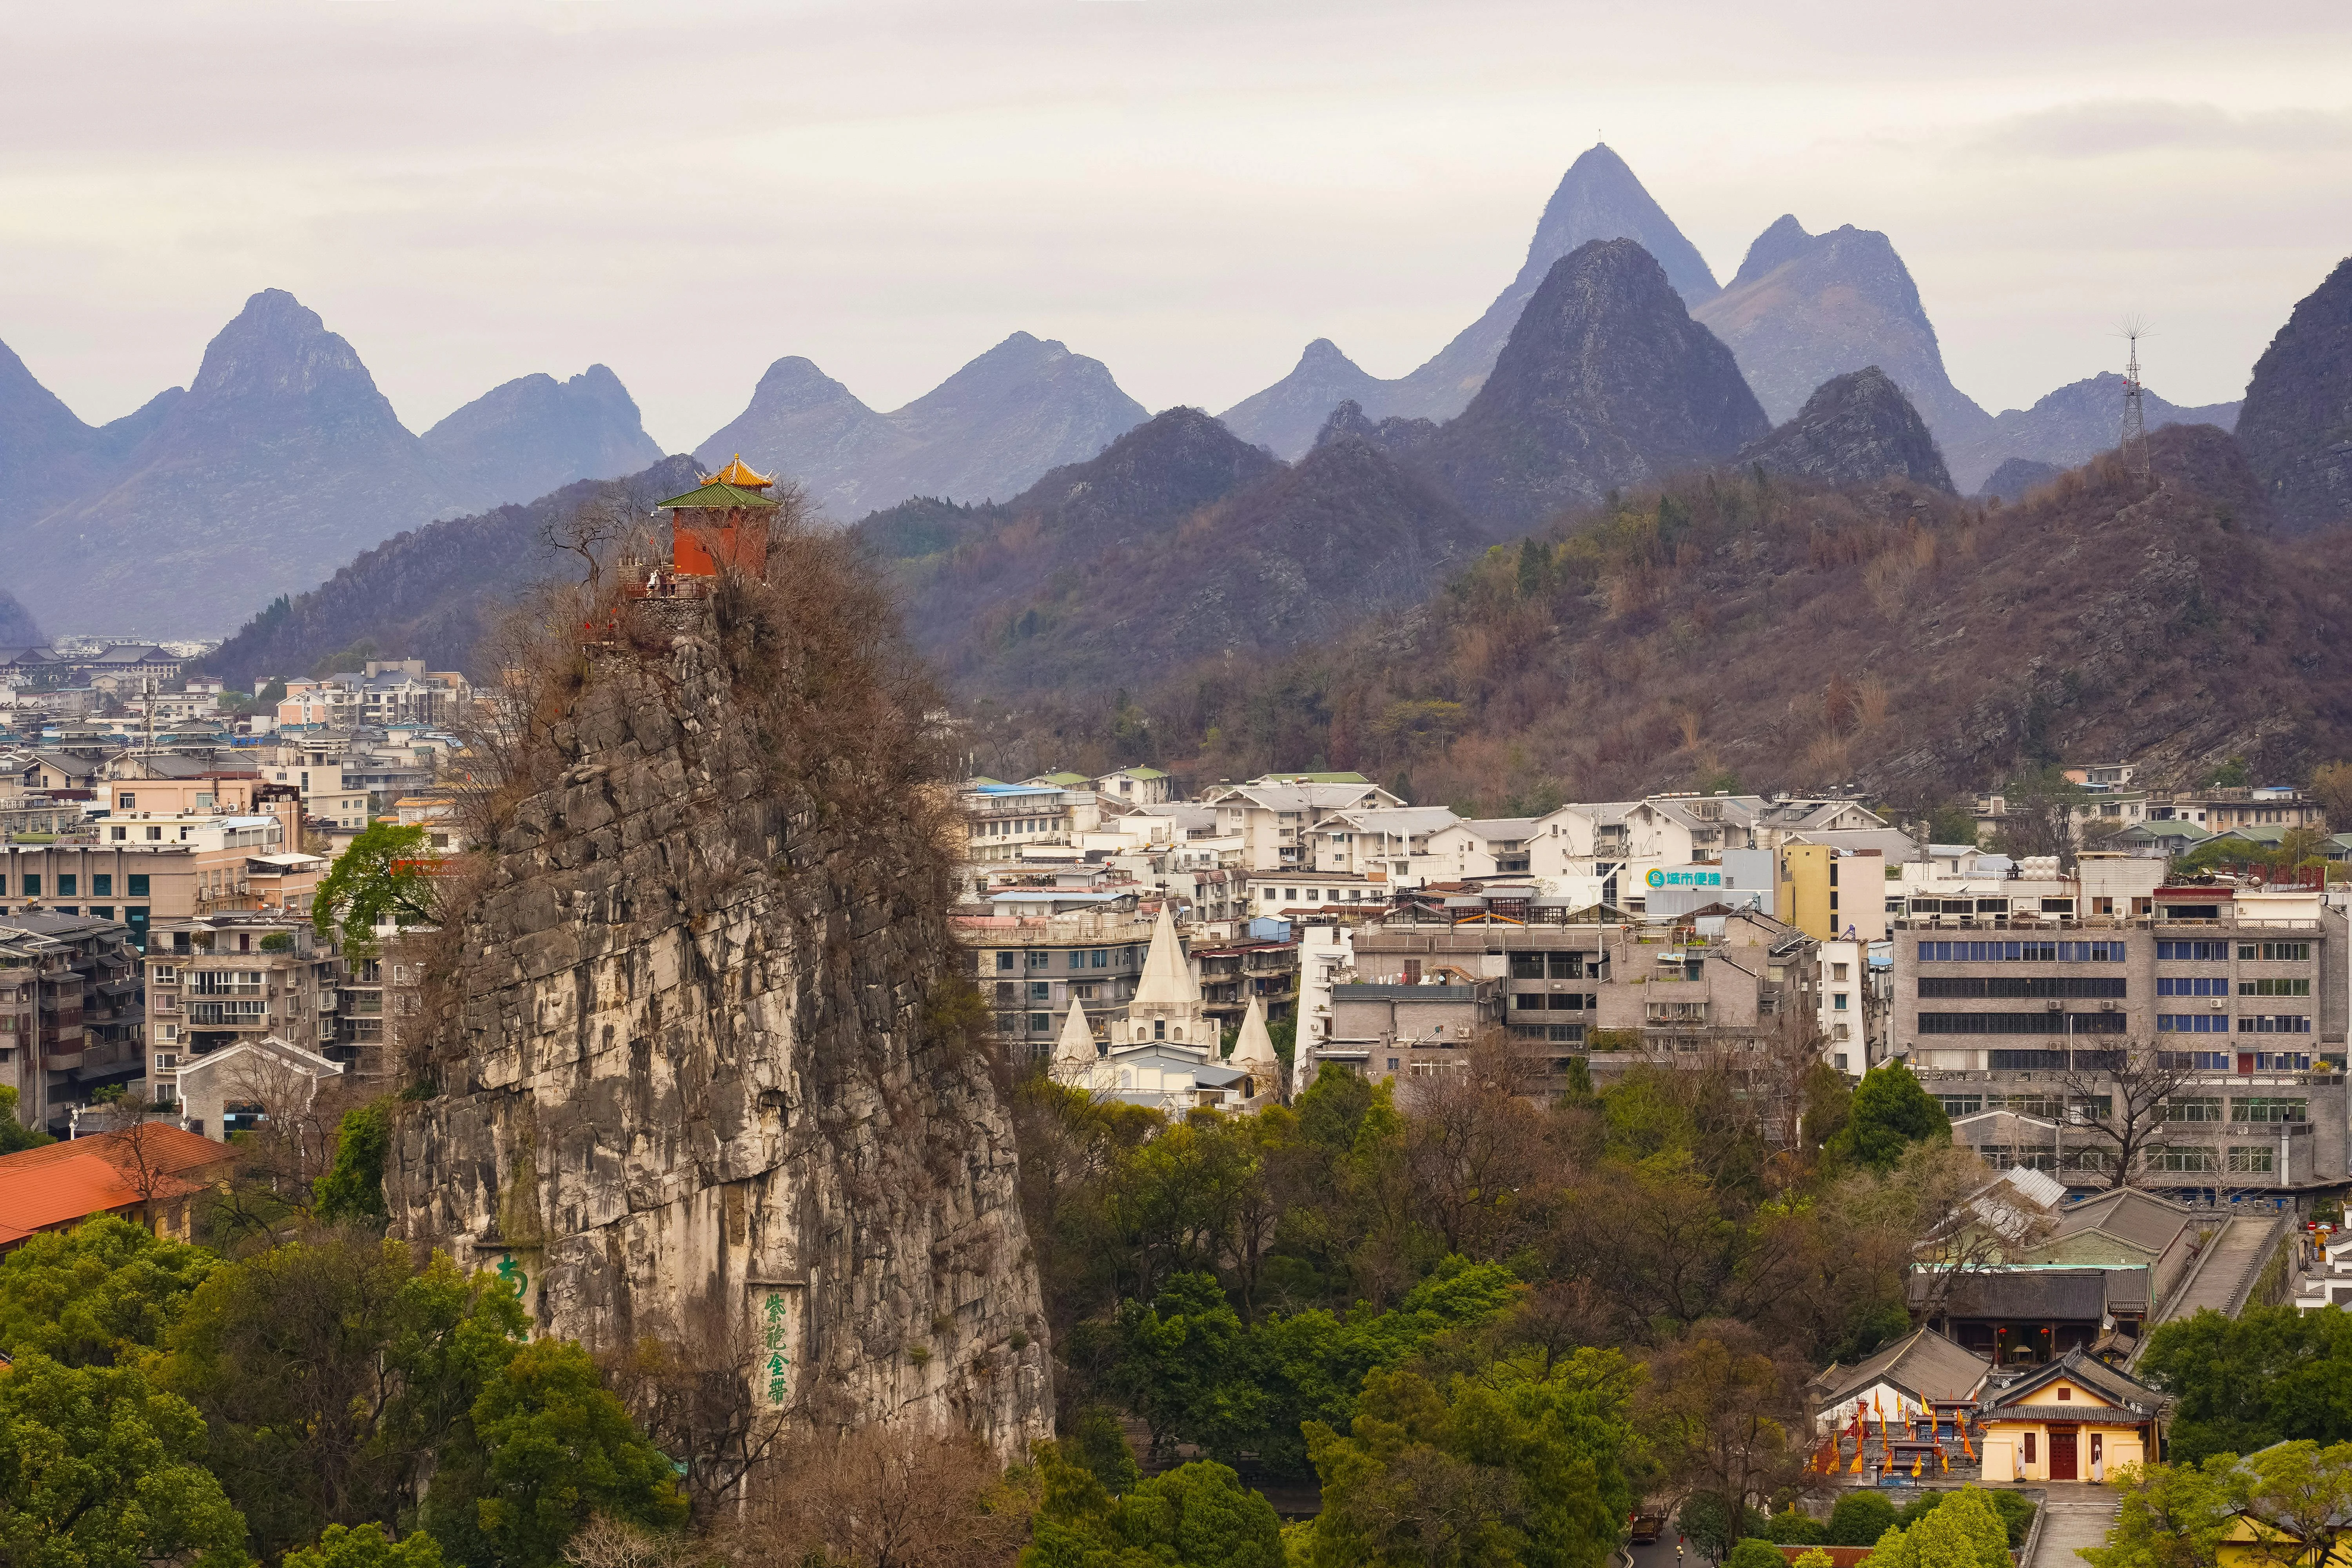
(2243,1383)
(548,1444)
(352,1188)
(1527,1463)
(1096,1443)
(2172,1516)
(2297,1500)
(365,1547)
(1707,1525)
(1195,1516)
(1752,1552)
(1859,1519)
(1891,1111)
(1790,1528)
(379,879)
(98,1469)
(15,1136)
(96,1294)
(331,1374)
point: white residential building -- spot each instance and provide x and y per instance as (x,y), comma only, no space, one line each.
(1276,822)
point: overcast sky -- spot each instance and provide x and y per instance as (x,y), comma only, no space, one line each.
(1189,190)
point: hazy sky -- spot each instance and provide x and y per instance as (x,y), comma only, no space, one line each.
(1189,190)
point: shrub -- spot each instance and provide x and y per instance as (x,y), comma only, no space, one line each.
(1755,1554)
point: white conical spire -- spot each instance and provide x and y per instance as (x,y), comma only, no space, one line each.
(1253,1051)
(1075,1049)
(1166,985)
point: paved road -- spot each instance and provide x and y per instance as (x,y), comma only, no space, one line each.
(2076,1515)
(2236,1253)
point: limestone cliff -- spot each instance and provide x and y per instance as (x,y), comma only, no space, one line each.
(702,1059)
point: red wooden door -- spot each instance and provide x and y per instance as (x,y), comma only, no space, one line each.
(2062,1456)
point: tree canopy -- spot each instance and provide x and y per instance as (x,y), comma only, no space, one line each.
(382,878)
(2268,1375)
(1890,1111)
(96,1294)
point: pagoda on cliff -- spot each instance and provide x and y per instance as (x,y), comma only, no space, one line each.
(723,522)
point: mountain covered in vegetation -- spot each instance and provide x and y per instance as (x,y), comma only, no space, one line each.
(1647,644)
(2068,427)
(438,592)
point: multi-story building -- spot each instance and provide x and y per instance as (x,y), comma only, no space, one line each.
(1032,970)
(1276,822)
(1831,893)
(1479,847)
(1685,991)
(1260,969)
(1136,786)
(387,692)
(1383,841)
(2076,1007)
(235,976)
(165,867)
(69,993)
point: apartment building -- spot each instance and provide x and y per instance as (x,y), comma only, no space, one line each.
(1136,786)
(2044,1018)
(386,693)
(1474,848)
(1385,841)
(195,866)
(1262,969)
(1625,993)
(1276,822)
(1002,821)
(1032,970)
(234,978)
(1831,893)
(325,792)
(71,1014)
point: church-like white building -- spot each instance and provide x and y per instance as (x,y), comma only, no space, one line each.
(1165,1051)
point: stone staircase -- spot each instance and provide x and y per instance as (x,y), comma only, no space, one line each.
(2074,1515)
(2225,1276)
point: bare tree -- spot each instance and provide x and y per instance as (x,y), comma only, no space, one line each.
(884,1495)
(1964,1217)
(2122,1105)
(590,531)
(608,1542)
(1476,1150)
(137,1150)
(695,1392)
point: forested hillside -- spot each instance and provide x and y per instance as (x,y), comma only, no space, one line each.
(1727,625)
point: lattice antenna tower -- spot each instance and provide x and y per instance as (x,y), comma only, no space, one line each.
(2133,447)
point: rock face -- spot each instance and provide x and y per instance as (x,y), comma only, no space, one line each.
(17,627)
(1856,429)
(990,430)
(1606,381)
(1804,308)
(535,434)
(2296,430)
(1598,198)
(437,590)
(701,1069)
(2070,426)
(2014,477)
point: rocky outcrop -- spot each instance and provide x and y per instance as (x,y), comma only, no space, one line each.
(1606,381)
(1856,428)
(2296,429)
(2013,479)
(536,434)
(703,1069)
(17,627)
(2068,427)
(1598,198)
(1806,306)
(990,430)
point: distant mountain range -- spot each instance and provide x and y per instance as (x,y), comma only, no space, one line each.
(2069,427)
(279,461)
(17,627)
(1599,198)
(989,431)
(1855,429)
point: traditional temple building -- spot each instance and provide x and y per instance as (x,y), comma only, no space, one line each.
(724,521)
(1164,1053)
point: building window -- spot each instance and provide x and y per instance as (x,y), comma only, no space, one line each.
(101,884)
(1393,1064)
(2193,1108)
(68,884)
(2275,951)
(126,803)
(2245,987)
(2251,1159)
(2274,1023)
(1003,961)
(118,835)
(1837,1002)
(1158,1028)
(2269,1110)
(1040,1023)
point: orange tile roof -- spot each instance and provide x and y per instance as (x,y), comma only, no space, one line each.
(61,1184)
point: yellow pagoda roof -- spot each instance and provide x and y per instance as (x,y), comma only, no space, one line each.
(742,475)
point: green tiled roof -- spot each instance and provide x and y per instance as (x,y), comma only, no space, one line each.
(716,495)
(1143,772)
